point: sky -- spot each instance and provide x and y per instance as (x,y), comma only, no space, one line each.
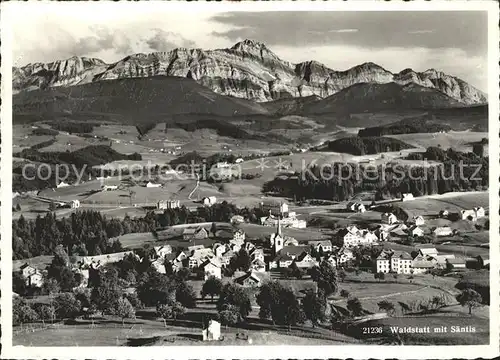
(451,41)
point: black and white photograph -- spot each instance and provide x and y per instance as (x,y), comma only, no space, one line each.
(250,175)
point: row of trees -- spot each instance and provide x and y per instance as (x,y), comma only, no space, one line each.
(341,181)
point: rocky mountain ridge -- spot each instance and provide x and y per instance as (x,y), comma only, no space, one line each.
(248,70)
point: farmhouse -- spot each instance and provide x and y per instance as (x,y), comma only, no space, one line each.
(407,197)
(152,185)
(237,219)
(420,266)
(209,201)
(168,204)
(418,220)
(32,276)
(212,267)
(456,263)
(239,160)
(162,251)
(251,279)
(219,249)
(344,255)
(257,254)
(281,261)
(384,262)
(62,184)
(444,213)
(101,260)
(368,237)
(190,234)
(401,262)
(323,246)
(258,265)
(389,218)
(442,231)
(109,187)
(226,257)
(428,252)
(415,231)
(350,236)
(480,213)
(239,236)
(468,215)
(212,332)
(356,207)
(159,266)
(274,208)
(305,261)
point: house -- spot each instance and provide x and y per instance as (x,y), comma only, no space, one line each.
(344,255)
(162,251)
(428,252)
(480,213)
(159,266)
(152,185)
(468,215)
(257,254)
(101,260)
(199,256)
(415,231)
(258,265)
(407,197)
(219,249)
(237,219)
(418,220)
(168,204)
(401,262)
(274,207)
(190,234)
(209,201)
(384,262)
(109,187)
(350,236)
(442,231)
(290,241)
(238,160)
(305,261)
(27,270)
(382,234)
(356,207)
(235,246)
(251,279)
(367,237)
(456,263)
(444,213)
(62,184)
(332,259)
(389,218)
(212,267)
(212,332)
(322,246)
(194,248)
(226,257)
(239,235)
(420,266)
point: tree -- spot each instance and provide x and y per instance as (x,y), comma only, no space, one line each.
(22,312)
(51,286)
(470,298)
(268,299)
(354,306)
(67,306)
(213,228)
(212,286)
(185,295)
(341,274)
(154,288)
(18,207)
(229,315)
(344,293)
(387,306)
(291,312)
(19,283)
(234,295)
(170,310)
(395,276)
(325,275)
(60,271)
(380,276)
(124,309)
(107,292)
(47,312)
(314,307)
(404,307)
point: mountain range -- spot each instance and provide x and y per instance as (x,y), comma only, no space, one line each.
(250,70)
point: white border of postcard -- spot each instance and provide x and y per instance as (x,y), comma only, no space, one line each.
(256,352)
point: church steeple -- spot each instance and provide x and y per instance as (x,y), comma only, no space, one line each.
(278,230)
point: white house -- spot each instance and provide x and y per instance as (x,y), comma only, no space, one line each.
(356,207)
(212,267)
(420,266)
(415,231)
(159,266)
(152,185)
(401,262)
(407,197)
(344,255)
(444,213)
(418,220)
(239,160)
(324,245)
(480,213)
(220,249)
(62,184)
(168,204)
(258,265)
(74,204)
(350,236)
(212,332)
(442,231)
(237,219)
(368,237)
(468,215)
(389,218)
(384,262)
(305,261)
(428,252)
(209,200)
(239,236)
(163,250)
(109,187)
